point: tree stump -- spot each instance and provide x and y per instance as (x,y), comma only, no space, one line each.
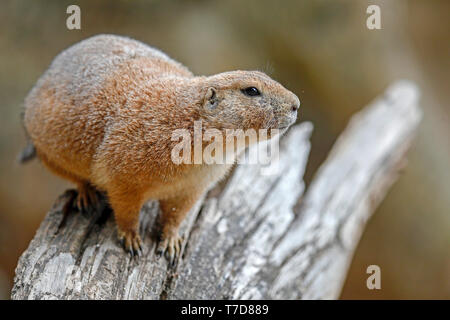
(258,236)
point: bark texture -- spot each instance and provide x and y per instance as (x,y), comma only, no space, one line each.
(256,236)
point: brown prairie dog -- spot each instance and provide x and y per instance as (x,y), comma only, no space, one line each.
(103,114)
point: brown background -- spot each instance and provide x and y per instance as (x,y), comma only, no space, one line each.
(321,50)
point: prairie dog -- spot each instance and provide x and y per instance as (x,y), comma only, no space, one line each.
(103,114)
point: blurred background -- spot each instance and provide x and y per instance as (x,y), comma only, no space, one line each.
(321,50)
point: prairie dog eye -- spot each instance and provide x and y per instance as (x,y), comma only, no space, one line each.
(251,91)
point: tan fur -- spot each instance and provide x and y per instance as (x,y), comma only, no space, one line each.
(104,112)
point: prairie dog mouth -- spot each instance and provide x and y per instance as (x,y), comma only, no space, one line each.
(282,126)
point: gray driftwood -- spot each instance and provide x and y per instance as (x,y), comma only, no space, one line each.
(258,236)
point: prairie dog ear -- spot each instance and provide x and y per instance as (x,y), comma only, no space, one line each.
(211,101)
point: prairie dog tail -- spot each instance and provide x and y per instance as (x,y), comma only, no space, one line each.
(27,154)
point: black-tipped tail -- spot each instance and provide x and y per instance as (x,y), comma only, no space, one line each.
(27,154)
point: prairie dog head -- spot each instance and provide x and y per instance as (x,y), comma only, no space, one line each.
(247,100)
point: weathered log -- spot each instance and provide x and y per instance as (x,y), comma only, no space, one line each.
(255,237)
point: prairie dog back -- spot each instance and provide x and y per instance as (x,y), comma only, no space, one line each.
(80,71)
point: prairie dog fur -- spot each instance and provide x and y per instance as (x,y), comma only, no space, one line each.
(103,114)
